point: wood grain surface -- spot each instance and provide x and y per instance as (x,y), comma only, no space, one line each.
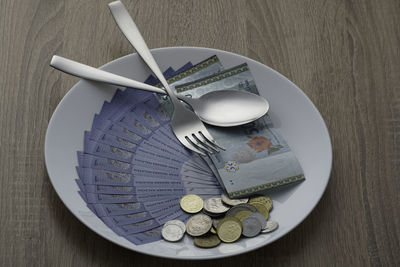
(345,55)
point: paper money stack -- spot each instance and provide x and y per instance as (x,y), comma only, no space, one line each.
(133,171)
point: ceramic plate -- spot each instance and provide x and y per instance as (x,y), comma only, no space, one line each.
(292,113)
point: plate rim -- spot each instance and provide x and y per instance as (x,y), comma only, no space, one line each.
(208,257)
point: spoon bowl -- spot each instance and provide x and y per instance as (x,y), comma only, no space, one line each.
(228,108)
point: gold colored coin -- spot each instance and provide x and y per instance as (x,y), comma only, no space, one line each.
(191,203)
(207,241)
(261,209)
(267,205)
(212,230)
(265,200)
(229,229)
(243,214)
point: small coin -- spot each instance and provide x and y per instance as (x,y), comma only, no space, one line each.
(261,219)
(178,223)
(212,230)
(191,203)
(229,229)
(271,226)
(265,200)
(214,205)
(261,209)
(243,214)
(251,226)
(235,209)
(231,201)
(207,241)
(198,225)
(172,232)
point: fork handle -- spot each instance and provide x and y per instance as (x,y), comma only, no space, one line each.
(90,73)
(131,32)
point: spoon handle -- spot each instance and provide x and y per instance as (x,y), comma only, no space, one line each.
(90,73)
(131,32)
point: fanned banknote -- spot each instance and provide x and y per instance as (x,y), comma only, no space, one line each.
(256,156)
(133,171)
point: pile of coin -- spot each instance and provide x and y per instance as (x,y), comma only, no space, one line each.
(222,219)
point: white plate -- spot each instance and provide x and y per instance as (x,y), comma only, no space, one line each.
(291,110)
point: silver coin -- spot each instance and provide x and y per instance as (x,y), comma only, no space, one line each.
(235,209)
(251,226)
(271,226)
(214,205)
(198,225)
(172,232)
(261,218)
(177,222)
(233,202)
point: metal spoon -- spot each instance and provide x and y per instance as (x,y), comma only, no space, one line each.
(220,108)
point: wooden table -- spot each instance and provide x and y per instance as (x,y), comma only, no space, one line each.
(343,54)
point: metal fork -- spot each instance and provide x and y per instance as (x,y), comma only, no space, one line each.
(185,124)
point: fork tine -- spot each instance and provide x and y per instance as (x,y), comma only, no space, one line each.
(198,143)
(210,139)
(204,141)
(189,146)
